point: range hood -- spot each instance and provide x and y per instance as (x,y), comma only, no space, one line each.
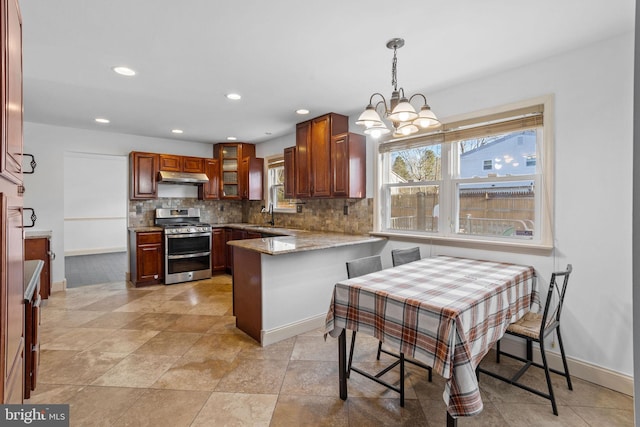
(182,178)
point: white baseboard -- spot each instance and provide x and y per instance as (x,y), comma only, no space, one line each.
(59,286)
(95,251)
(291,330)
(577,368)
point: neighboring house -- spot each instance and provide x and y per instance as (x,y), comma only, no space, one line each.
(513,154)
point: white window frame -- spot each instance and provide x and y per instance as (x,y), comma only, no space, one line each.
(544,181)
(271,189)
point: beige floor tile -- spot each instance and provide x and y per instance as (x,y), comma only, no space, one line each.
(606,416)
(237,409)
(219,308)
(170,408)
(314,347)
(123,340)
(195,373)
(101,406)
(69,367)
(529,414)
(193,323)
(225,324)
(254,376)
(53,393)
(113,320)
(68,318)
(113,302)
(276,351)
(169,343)
(385,412)
(152,321)
(304,377)
(224,347)
(311,411)
(77,339)
(136,370)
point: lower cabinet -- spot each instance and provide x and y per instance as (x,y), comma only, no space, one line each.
(32,302)
(218,250)
(146,257)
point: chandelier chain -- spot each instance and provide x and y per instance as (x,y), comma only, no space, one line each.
(394,70)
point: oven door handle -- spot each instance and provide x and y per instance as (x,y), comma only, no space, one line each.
(199,254)
(186,236)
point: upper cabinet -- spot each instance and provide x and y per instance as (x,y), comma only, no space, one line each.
(143,175)
(210,191)
(329,161)
(11,138)
(251,171)
(290,173)
(174,163)
(234,179)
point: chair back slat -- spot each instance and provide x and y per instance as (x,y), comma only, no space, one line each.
(362,266)
(404,256)
(555,300)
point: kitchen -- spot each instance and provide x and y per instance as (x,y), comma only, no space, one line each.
(573,76)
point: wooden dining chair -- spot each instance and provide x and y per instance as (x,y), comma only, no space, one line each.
(404,256)
(535,327)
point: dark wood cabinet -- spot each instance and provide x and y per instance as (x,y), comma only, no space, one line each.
(348,166)
(210,191)
(231,234)
(40,248)
(313,154)
(234,178)
(175,163)
(32,303)
(147,255)
(218,250)
(251,173)
(11,137)
(12,345)
(143,175)
(290,173)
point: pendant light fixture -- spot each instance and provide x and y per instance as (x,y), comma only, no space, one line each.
(403,116)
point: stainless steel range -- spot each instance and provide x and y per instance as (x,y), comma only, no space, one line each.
(187,245)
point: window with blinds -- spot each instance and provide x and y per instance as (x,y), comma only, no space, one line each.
(484,177)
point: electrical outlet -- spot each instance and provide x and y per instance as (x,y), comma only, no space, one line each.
(221,208)
(345,210)
(299,208)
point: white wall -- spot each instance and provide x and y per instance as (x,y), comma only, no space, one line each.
(45,188)
(593,89)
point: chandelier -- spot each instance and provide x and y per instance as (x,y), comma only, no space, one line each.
(403,116)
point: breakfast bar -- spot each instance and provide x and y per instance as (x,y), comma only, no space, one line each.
(282,285)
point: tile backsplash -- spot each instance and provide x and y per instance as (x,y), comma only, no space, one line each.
(316,215)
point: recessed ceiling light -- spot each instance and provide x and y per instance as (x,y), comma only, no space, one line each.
(176,130)
(231,138)
(302,111)
(102,120)
(233,96)
(124,71)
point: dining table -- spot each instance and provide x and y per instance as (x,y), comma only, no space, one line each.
(443,311)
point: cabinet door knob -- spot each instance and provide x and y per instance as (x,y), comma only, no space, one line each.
(52,255)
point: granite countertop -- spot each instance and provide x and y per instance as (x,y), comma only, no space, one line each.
(145,229)
(302,241)
(264,229)
(37,233)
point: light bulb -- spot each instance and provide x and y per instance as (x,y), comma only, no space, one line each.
(403,116)
(376,133)
(406,131)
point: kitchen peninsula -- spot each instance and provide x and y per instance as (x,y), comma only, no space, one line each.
(282,285)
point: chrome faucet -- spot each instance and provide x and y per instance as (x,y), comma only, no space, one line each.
(270,211)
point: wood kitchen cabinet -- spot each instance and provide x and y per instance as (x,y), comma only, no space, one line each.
(290,173)
(313,154)
(348,166)
(210,191)
(12,326)
(175,163)
(32,303)
(251,172)
(39,248)
(231,234)
(143,175)
(230,157)
(218,250)
(146,259)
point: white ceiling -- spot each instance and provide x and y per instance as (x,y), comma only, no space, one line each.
(281,55)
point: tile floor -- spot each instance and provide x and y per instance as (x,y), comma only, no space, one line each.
(171,356)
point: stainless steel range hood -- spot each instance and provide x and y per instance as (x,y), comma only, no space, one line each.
(182,178)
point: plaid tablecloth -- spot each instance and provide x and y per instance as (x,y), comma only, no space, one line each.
(445,312)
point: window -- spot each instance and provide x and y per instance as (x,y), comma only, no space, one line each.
(480,178)
(276,176)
